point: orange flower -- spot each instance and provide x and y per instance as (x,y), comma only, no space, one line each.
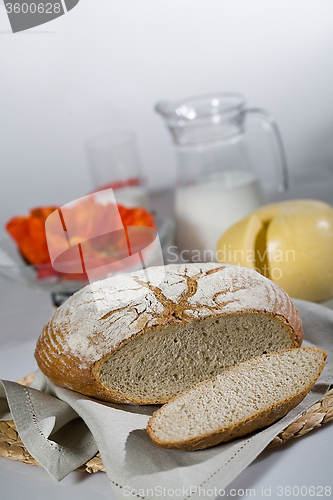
(29,234)
(83,221)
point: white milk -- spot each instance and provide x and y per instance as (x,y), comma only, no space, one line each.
(204,211)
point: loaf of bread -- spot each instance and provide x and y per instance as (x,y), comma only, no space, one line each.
(241,400)
(155,335)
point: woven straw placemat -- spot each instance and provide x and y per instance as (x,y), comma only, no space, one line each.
(317,415)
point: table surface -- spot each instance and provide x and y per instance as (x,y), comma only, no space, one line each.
(277,473)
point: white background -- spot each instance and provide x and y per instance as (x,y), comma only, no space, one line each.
(105,64)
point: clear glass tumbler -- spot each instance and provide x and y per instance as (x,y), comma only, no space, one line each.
(115,163)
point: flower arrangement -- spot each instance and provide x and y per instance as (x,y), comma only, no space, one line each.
(87,218)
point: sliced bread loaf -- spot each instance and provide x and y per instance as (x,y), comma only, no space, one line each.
(155,335)
(244,398)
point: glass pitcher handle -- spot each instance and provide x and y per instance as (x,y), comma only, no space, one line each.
(268,121)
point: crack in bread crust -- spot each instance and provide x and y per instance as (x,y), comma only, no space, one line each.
(177,310)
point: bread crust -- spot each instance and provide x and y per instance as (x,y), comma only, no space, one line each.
(79,337)
(259,420)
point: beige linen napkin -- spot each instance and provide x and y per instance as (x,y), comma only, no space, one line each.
(62,429)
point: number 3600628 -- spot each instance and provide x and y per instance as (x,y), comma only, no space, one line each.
(32,8)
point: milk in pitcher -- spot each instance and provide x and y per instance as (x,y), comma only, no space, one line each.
(205,210)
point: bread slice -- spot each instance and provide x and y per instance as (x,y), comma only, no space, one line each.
(241,400)
(157,333)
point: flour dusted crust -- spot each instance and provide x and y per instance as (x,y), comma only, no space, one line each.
(101,318)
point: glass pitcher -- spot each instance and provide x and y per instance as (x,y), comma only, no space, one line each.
(217,185)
